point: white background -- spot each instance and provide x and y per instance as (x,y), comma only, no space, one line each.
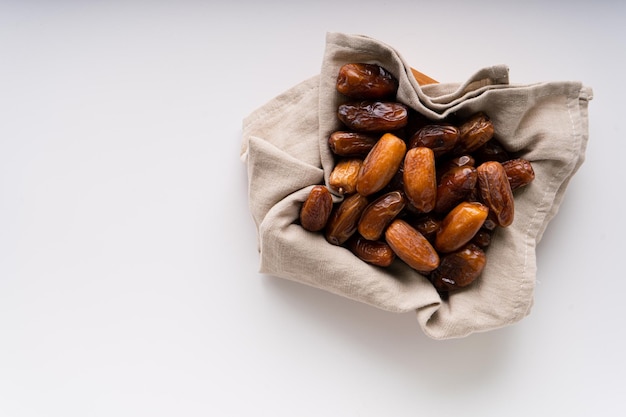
(128,259)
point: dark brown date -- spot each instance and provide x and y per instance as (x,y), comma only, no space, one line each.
(366,81)
(375,252)
(519,172)
(344,219)
(316,209)
(459,269)
(475,132)
(379,214)
(373,116)
(496,192)
(454,186)
(351,144)
(440,138)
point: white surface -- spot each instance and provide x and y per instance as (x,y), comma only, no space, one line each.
(128,263)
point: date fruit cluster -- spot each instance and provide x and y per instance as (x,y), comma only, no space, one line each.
(430,193)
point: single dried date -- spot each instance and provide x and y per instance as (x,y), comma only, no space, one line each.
(343,177)
(411,246)
(475,132)
(316,209)
(420,178)
(460,225)
(375,252)
(519,172)
(366,81)
(379,214)
(373,116)
(454,186)
(496,192)
(441,138)
(381,164)
(344,219)
(459,269)
(351,144)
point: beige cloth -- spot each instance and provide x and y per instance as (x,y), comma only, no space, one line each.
(286,153)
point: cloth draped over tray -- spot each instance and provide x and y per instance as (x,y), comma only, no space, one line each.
(285,149)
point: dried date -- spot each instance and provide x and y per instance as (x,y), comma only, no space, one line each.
(351,144)
(373,116)
(381,164)
(379,214)
(460,225)
(344,219)
(420,178)
(366,81)
(375,252)
(344,175)
(459,269)
(411,246)
(316,209)
(496,192)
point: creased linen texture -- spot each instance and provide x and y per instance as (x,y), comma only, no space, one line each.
(284,146)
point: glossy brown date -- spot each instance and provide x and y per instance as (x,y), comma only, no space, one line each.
(475,132)
(351,144)
(454,186)
(343,177)
(366,81)
(460,225)
(375,252)
(519,172)
(459,269)
(420,178)
(344,219)
(381,164)
(316,209)
(440,138)
(411,246)
(373,116)
(496,192)
(379,213)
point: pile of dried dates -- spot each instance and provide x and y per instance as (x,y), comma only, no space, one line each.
(429,193)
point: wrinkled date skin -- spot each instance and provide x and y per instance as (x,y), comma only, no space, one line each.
(344,219)
(420,178)
(519,172)
(343,177)
(381,164)
(375,252)
(440,138)
(379,214)
(459,269)
(351,144)
(454,186)
(316,209)
(460,225)
(366,81)
(373,116)
(411,246)
(496,192)
(475,132)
